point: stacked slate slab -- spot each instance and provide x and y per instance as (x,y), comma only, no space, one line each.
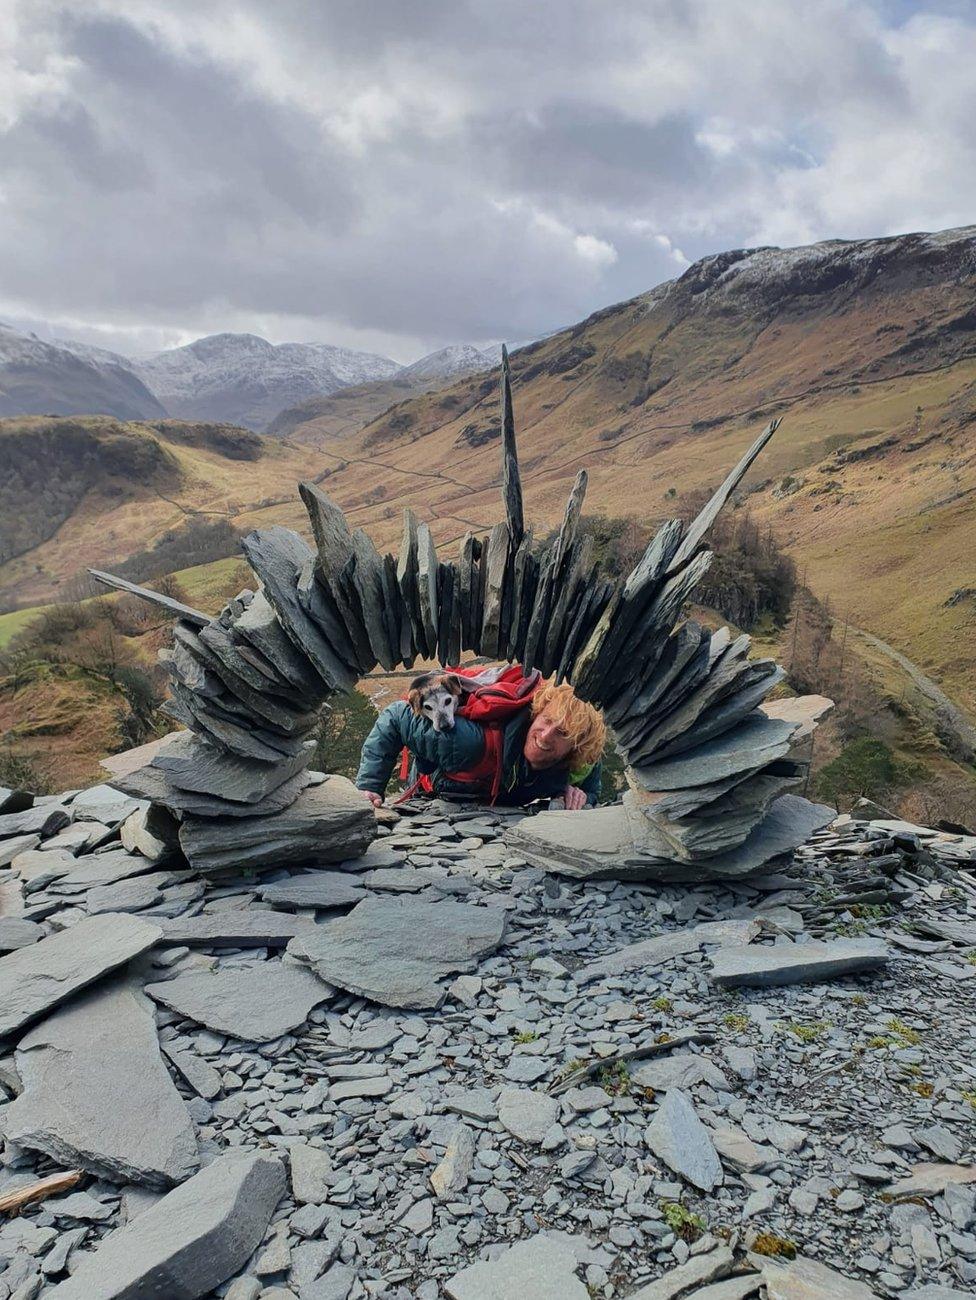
(708,762)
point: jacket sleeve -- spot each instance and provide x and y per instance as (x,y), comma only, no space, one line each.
(592,785)
(398,727)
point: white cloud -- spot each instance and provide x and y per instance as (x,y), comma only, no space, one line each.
(415,175)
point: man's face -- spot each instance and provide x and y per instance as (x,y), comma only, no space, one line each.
(546,744)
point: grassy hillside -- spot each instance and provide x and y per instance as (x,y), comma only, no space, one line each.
(78,492)
(867,351)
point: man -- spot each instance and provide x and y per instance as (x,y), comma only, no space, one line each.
(550,749)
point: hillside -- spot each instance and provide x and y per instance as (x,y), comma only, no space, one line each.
(76,492)
(68,379)
(867,350)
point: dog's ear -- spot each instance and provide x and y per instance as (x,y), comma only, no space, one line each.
(453,684)
(414,699)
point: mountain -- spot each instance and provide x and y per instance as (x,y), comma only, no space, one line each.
(69,379)
(244,379)
(451,362)
(866,349)
(327,416)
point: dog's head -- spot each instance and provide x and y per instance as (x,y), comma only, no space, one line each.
(435,696)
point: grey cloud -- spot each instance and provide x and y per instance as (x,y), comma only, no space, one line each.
(434,172)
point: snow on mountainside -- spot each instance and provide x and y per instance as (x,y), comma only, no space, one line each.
(69,379)
(247,380)
(458,359)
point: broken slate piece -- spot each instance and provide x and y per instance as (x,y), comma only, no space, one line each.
(130,895)
(395,950)
(451,1175)
(43,819)
(35,979)
(527,1114)
(97,1095)
(15,932)
(199,1074)
(665,947)
(189,1242)
(254,1003)
(252,928)
(795,963)
(678,1137)
(697,1272)
(539,1268)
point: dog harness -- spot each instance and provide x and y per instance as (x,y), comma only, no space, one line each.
(491,699)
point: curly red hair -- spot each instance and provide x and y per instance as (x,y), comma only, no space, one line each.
(581,722)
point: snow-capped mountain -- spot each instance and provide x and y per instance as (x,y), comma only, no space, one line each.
(458,359)
(40,378)
(246,380)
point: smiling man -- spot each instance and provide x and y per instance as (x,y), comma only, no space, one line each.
(550,749)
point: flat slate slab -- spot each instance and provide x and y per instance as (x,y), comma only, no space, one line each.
(795,963)
(97,1095)
(536,1269)
(323,889)
(665,947)
(130,895)
(253,928)
(395,950)
(808,1279)
(35,979)
(678,1137)
(527,1114)
(254,1003)
(326,823)
(188,1243)
(42,819)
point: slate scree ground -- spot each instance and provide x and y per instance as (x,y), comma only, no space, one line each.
(264,1043)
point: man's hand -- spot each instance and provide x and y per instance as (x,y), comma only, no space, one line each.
(375,799)
(574,798)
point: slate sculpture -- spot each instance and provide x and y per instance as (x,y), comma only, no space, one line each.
(709,759)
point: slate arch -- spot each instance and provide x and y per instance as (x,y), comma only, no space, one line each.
(706,762)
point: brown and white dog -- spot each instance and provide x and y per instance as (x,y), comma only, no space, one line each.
(435,696)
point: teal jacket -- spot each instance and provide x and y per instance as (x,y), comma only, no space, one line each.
(436,753)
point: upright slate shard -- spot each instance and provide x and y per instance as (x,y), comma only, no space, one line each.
(700,526)
(167,603)
(511,482)
(427,584)
(277,556)
(497,562)
(407,579)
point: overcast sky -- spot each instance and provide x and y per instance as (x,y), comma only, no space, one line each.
(399,174)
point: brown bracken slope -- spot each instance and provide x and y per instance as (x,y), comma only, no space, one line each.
(866,349)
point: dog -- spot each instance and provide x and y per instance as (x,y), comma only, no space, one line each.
(435,696)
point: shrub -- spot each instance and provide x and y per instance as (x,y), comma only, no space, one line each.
(864,769)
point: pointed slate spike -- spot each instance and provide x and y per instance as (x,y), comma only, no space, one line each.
(511,482)
(333,539)
(701,525)
(571,518)
(154,597)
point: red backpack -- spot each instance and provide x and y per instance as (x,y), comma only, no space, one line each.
(490,702)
